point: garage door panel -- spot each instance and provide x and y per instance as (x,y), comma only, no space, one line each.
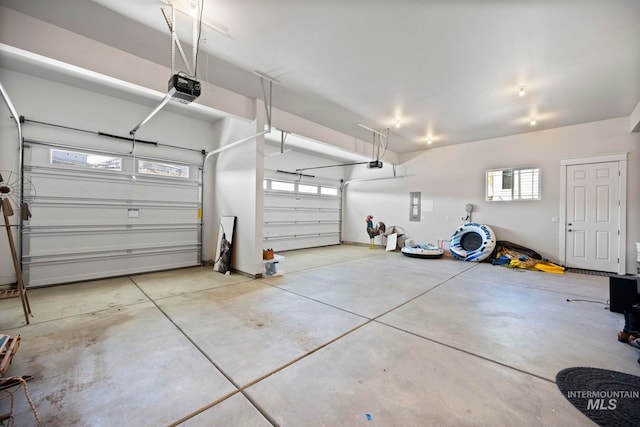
(301,202)
(93,221)
(90,241)
(73,214)
(287,244)
(272,215)
(53,185)
(278,229)
(40,270)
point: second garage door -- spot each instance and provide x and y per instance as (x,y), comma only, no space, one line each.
(301,214)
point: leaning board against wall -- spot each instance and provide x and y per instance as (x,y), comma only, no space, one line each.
(301,212)
(99,214)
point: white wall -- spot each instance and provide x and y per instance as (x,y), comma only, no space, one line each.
(48,101)
(450,177)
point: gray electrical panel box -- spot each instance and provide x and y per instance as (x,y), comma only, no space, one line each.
(415,202)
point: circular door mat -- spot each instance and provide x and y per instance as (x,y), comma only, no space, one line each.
(608,398)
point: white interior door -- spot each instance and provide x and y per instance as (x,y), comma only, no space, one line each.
(593,216)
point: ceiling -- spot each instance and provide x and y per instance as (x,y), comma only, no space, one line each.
(446,70)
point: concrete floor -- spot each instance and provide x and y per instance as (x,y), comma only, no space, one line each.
(346,334)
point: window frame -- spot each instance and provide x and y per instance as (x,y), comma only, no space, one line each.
(321,190)
(143,170)
(58,161)
(499,192)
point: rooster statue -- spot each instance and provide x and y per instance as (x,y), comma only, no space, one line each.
(374,231)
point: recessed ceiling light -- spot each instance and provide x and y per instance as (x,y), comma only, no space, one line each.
(522,91)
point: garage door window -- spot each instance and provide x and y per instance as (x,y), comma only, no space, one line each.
(84,160)
(309,189)
(163,169)
(329,191)
(282,186)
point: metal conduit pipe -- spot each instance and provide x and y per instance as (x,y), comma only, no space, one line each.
(155,111)
(12,109)
(16,117)
(233,144)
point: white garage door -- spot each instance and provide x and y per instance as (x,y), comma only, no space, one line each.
(301,214)
(94,217)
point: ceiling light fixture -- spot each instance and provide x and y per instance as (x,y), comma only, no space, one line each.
(429,141)
(397,123)
(522,91)
(533,121)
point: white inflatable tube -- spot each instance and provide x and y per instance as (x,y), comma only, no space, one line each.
(415,250)
(472,242)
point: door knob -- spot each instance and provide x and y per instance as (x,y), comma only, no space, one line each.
(569,230)
(569,224)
